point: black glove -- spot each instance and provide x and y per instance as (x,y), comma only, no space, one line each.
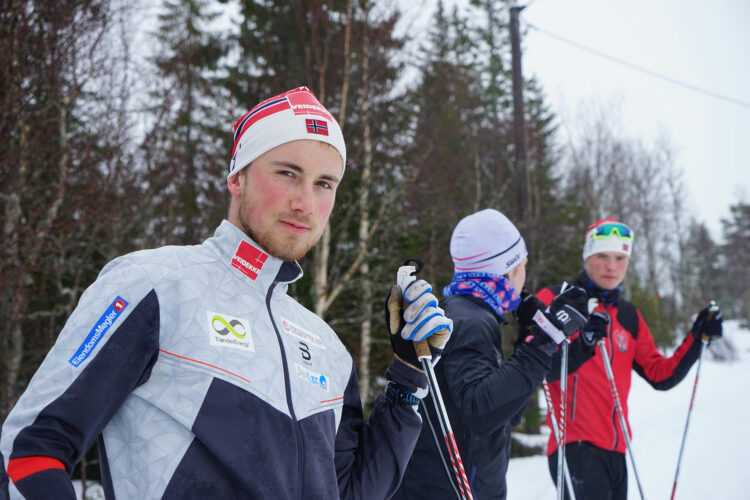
(530,304)
(709,323)
(566,314)
(595,330)
(422,319)
(546,327)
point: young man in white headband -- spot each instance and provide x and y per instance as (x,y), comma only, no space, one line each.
(595,446)
(197,372)
(484,393)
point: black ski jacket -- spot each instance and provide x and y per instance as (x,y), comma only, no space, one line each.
(485,396)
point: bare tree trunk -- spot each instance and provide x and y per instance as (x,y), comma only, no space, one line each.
(320,288)
(365,340)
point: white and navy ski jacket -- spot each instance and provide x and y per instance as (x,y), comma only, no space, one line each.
(202,378)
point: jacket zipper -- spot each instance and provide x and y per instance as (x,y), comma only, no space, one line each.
(288,387)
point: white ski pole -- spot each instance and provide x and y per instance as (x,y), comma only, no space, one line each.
(713,308)
(406,274)
(555,433)
(563,418)
(618,408)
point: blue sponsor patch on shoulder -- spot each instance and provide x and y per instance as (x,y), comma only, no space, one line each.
(95,335)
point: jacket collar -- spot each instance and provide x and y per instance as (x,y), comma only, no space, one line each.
(248,260)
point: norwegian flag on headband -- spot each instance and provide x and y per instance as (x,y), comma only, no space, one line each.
(316,126)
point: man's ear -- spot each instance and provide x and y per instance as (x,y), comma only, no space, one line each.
(234,183)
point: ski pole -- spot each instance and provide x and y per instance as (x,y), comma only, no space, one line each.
(563,417)
(713,308)
(555,433)
(406,274)
(618,408)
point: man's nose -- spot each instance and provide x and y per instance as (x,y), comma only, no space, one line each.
(302,198)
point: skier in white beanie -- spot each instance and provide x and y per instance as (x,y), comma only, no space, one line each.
(484,393)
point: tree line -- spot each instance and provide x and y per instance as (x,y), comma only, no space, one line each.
(117,122)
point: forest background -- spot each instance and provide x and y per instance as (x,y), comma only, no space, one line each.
(117,124)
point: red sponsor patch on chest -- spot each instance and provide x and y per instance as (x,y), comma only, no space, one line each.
(249,260)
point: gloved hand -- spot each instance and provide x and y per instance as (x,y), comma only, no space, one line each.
(708,322)
(565,315)
(530,304)
(422,319)
(595,330)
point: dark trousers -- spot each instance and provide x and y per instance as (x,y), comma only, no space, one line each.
(595,474)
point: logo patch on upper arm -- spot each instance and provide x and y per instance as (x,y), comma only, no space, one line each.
(97,332)
(227,331)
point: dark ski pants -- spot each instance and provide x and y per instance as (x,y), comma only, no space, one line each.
(595,474)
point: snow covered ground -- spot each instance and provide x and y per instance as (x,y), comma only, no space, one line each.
(716,460)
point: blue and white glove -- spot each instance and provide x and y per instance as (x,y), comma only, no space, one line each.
(421,319)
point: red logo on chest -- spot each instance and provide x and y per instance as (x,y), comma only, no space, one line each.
(249,260)
(621,340)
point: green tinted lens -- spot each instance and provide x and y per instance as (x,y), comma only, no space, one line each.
(606,230)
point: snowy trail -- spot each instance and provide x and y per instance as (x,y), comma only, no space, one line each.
(716,461)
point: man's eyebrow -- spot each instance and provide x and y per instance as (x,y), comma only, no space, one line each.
(297,168)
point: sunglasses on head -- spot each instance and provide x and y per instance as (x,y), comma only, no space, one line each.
(608,229)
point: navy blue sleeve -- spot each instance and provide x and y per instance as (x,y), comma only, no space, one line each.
(489,392)
(371,455)
(578,354)
(69,421)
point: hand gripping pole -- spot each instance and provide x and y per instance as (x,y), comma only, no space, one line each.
(713,308)
(407,274)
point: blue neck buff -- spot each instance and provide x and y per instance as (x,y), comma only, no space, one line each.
(605,296)
(493,290)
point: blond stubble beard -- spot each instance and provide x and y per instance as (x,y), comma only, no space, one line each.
(270,245)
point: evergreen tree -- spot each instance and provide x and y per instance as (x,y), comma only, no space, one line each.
(736,261)
(185,150)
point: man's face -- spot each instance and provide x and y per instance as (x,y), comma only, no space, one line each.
(284,198)
(517,275)
(607,269)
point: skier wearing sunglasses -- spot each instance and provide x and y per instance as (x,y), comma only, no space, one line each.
(595,445)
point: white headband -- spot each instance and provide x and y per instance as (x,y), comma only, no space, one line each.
(291,116)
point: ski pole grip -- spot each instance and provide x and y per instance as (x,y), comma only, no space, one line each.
(712,310)
(395,301)
(423,349)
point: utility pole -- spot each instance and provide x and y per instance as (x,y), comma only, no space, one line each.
(519,129)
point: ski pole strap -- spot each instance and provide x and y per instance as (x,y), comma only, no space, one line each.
(396,394)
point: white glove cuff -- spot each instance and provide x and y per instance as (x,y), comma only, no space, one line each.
(547,327)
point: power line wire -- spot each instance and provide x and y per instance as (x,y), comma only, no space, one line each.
(639,68)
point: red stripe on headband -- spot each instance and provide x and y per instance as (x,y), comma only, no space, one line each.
(469,258)
(258,113)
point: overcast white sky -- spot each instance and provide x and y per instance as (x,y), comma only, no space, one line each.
(702,44)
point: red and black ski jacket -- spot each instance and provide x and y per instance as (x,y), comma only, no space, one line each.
(591,414)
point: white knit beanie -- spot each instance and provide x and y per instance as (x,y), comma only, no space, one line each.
(486,242)
(294,115)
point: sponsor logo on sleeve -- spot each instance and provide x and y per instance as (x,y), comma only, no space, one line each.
(302,334)
(227,331)
(96,334)
(249,260)
(316,379)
